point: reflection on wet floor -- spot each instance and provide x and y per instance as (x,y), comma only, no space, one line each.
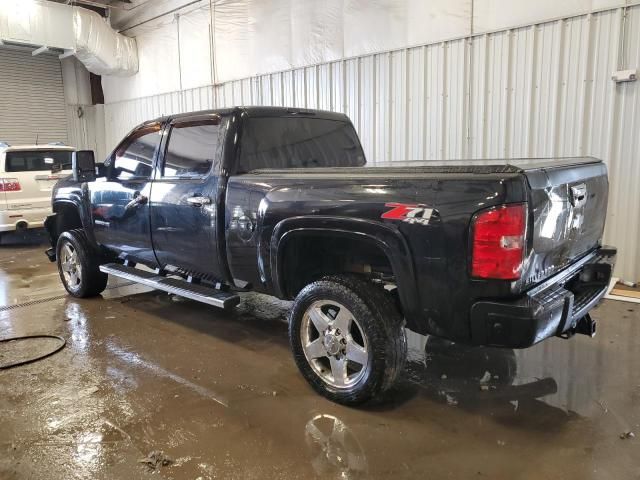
(335,451)
(24,274)
(220,395)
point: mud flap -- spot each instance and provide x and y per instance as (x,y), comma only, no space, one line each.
(49,225)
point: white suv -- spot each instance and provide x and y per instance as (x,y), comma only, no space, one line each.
(27,175)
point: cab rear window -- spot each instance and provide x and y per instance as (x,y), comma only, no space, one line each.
(37,161)
(288,142)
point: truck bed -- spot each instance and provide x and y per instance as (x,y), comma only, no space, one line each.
(561,228)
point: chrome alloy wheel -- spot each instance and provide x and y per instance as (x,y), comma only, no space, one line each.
(70,265)
(334,344)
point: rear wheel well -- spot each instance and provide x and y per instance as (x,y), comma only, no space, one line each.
(67,218)
(307,258)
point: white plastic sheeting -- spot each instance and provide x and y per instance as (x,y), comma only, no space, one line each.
(96,44)
(195,50)
(540,90)
(36,23)
(159,67)
(243,38)
(85,122)
(250,37)
(75,79)
(492,15)
(100,48)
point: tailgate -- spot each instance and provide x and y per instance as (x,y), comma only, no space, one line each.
(35,192)
(47,181)
(569,205)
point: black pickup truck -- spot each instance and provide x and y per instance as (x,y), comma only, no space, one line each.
(282,201)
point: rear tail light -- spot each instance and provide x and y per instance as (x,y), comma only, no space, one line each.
(9,185)
(499,242)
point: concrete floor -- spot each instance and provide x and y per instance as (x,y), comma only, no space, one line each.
(220,395)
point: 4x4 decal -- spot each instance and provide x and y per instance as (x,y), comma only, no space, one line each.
(409,213)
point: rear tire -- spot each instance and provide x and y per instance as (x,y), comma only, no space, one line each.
(78,265)
(347,338)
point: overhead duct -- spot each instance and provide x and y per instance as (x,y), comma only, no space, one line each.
(74,30)
(100,48)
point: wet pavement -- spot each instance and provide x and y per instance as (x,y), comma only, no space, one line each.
(218,393)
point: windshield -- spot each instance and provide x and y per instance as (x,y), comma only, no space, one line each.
(285,142)
(38,160)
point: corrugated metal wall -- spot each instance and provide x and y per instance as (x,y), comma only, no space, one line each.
(542,90)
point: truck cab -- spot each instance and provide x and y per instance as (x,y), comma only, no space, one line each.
(162,198)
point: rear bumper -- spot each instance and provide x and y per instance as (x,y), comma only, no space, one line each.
(553,308)
(11,220)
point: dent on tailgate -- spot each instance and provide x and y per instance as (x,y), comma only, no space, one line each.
(569,204)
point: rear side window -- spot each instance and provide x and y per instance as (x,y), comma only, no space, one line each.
(134,156)
(192,148)
(37,160)
(288,142)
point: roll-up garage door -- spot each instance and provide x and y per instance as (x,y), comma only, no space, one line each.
(32,102)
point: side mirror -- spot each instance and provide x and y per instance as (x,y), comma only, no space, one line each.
(101,169)
(83,163)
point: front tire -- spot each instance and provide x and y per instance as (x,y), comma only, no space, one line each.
(347,338)
(79,265)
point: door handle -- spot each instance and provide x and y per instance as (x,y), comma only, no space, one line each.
(198,201)
(138,199)
(578,195)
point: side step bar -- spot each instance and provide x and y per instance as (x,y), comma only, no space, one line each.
(199,293)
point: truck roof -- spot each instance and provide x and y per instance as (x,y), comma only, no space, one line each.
(257,111)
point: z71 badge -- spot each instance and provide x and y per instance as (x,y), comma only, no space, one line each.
(420,214)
